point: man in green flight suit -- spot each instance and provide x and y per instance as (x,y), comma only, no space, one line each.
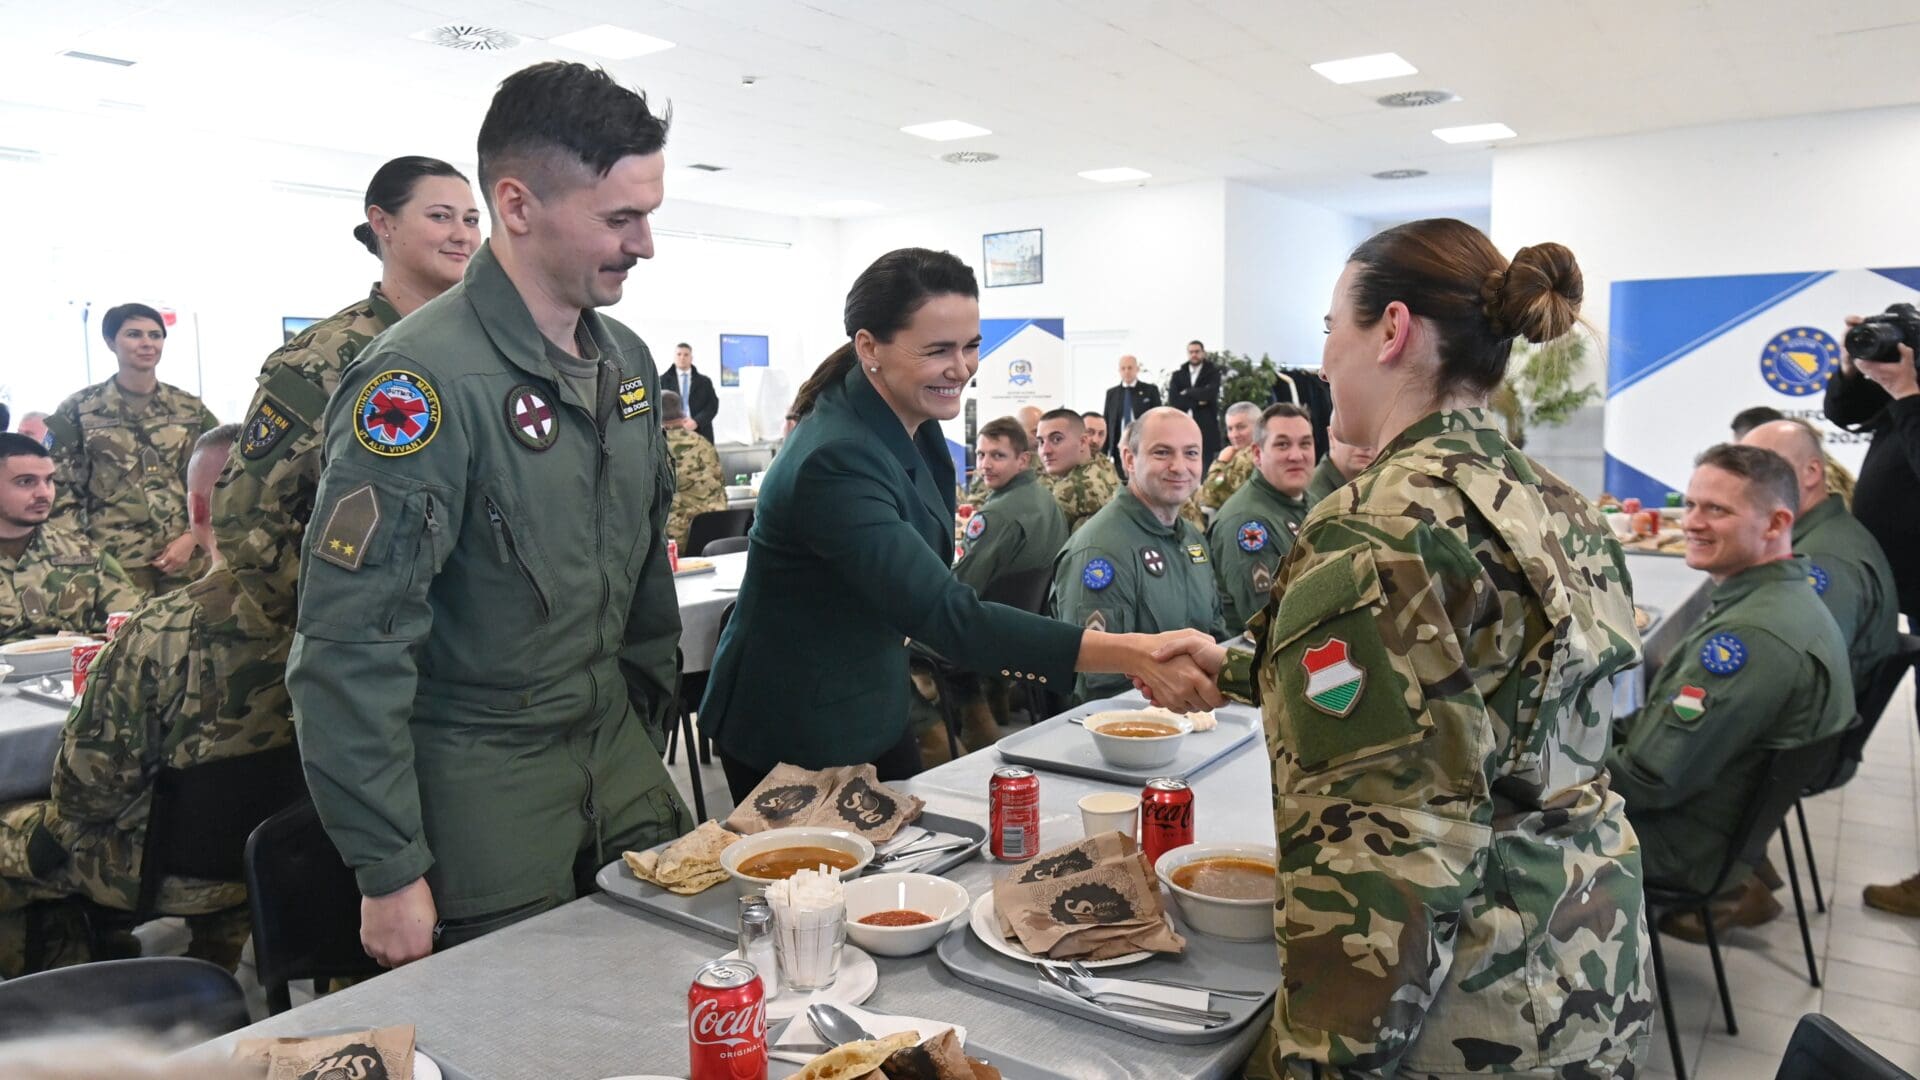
(52,580)
(1235,464)
(1849,572)
(483,669)
(1255,528)
(122,447)
(1343,462)
(1138,566)
(1766,669)
(1080,486)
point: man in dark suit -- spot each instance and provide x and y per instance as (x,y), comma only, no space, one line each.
(1132,398)
(695,389)
(1195,390)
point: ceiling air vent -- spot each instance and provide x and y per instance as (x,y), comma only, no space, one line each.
(1417,99)
(969,157)
(468,38)
(704,167)
(1399,174)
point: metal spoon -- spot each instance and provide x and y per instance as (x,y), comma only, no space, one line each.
(835,1026)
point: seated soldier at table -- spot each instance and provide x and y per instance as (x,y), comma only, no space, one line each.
(1255,527)
(1097,447)
(1234,465)
(1138,566)
(1849,571)
(1840,481)
(52,579)
(700,487)
(1765,669)
(179,685)
(1078,485)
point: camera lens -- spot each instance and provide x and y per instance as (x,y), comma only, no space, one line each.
(1877,340)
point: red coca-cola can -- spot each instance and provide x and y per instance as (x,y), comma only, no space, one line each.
(727,1022)
(1166,817)
(116,620)
(673,555)
(1013,808)
(82,661)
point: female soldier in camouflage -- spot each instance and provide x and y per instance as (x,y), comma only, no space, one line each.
(1459,890)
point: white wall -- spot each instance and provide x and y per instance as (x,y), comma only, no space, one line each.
(1282,259)
(1804,193)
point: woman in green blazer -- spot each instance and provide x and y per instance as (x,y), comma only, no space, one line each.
(852,547)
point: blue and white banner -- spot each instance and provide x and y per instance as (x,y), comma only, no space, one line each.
(1686,354)
(1022,362)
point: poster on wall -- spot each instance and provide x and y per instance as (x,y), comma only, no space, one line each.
(1014,258)
(1686,354)
(739,351)
(1022,362)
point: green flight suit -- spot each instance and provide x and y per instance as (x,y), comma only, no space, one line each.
(1765,669)
(1851,576)
(1326,480)
(852,552)
(483,666)
(1252,531)
(1126,573)
(1020,527)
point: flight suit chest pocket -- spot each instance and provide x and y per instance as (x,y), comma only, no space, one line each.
(511,550)
(1342,671)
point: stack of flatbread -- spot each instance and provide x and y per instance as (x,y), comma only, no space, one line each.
(689,865)
(899,1057)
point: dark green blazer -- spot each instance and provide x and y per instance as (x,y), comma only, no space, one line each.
(850,555)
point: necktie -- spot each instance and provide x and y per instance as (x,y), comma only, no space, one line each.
(686,390)
(1126,413)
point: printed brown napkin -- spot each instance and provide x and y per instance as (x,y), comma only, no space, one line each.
(378,1054)
(849,797)
(1089,901)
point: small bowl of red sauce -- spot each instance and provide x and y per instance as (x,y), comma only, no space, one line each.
(902,914)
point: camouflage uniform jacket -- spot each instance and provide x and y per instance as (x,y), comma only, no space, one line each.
(1765,669)
(1459,890)
(193,677)
(265,497)
(1020,527)
(698,488)
(1851,575)
(1081,492)
(1226,477)
(61,582)
(1250,534)
(122,469)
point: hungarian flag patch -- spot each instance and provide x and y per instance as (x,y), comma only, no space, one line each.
(1690,703)
(1333,683)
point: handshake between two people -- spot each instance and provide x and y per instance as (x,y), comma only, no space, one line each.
(1176,670)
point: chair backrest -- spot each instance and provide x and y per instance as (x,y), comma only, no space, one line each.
(202,815)
(1787,775)
(1871,702)
(714,524)
(1822,1050)
(306,905)
(153,994)
(726,545)
(1023,589)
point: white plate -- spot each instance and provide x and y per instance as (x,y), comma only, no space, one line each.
(859,976)
(424,1068)
(986,926)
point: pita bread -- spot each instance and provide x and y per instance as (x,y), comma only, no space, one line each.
(689,865)
(855,1059)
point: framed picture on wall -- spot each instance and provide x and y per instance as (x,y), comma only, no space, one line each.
(1013,258)
(740,351)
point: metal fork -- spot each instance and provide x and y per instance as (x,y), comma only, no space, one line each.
(1086,972)
(1126,1003)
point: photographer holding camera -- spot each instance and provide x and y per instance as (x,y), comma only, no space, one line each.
(1876,392)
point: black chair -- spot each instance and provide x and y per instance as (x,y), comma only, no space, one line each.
(1822,1050)
(726,545)
(1871,703)
(693,688)
(198,825)
(1023,589)
(714,525)
(1784,774)
(155,994)
(305,905)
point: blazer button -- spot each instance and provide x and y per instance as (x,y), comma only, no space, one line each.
(1004,671)
(1043,680)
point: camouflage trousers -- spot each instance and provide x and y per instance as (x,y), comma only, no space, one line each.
(43,887)
(1621,1060)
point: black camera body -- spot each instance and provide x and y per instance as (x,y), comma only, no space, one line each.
(1878,337)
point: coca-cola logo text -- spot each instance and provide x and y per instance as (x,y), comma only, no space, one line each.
(714,1027)
(1167,815)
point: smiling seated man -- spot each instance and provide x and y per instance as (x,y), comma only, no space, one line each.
(1080,486)
(1255,527)
(1765,669)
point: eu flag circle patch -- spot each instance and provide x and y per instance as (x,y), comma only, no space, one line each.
(1723,654)
(1818,578)
(1098,574)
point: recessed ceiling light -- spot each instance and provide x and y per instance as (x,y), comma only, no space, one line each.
(1399,174)
(1114,176)
(969,157)
(114,61)
(1384,65)
(946,130)
(849,206)
(1471,133)
(612,42)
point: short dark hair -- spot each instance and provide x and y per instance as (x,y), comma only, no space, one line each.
(684,345)
(116,317)
(1197,341)
(1768,475)
(14,444)
(1006,427)
(556,118)
(1747,419)
(671,407)
(1090,415)
(1284,408)
(883,301)
(1062,414)
(392,188)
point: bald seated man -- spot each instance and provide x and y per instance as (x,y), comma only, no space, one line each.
(1846,566)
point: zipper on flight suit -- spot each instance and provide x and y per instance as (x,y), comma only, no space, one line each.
(429,526)
(510,553)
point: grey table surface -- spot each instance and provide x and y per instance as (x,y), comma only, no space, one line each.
(703,598)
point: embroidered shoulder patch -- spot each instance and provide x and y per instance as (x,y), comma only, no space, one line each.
(399,414)
(1253,536)
(976,525)
(1333,682)
(1154,561)
(1690,703)
(530,417)
(1196,553)
(1097,575)
(349,528)
(264,430)
(1819,579)
(1723,654)
(633,398)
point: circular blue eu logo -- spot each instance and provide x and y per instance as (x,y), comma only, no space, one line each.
(1799,361)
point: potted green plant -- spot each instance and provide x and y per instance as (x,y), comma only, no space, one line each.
(1540,388)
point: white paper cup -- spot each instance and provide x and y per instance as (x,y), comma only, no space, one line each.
(807,944)
(1109,811)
